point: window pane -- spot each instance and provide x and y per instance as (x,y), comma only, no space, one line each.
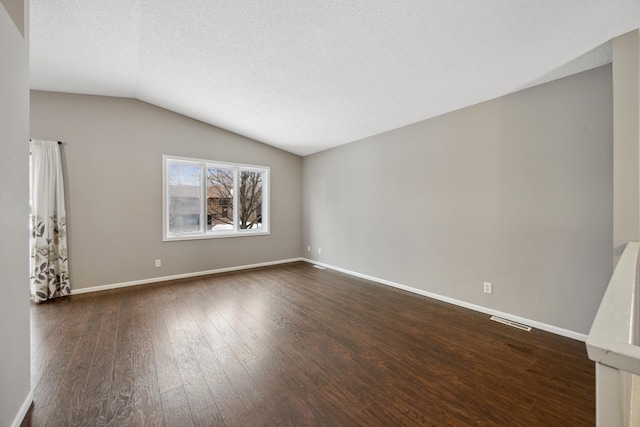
(250,200)
(185,194)
(219,199)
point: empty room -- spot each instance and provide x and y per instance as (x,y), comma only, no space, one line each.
(222,213)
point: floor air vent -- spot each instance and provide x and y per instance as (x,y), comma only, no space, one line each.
(319,267)
(511,323)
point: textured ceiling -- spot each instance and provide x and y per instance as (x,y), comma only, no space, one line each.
(309,75)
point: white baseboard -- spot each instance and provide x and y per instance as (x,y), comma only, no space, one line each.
(180,276)
(538,325)
(23,410)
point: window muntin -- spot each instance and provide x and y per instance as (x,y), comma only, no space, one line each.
(208,199)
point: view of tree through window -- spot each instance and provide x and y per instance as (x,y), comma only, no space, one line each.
(220,208)
(250,195)
(219,199)
(212,199)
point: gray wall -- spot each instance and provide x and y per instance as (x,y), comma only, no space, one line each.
(14,227)
(516,191)
(113,154)
(15,9)
(626,140)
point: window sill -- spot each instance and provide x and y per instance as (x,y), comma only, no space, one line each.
(219,235)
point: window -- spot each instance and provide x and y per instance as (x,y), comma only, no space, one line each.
(206,199)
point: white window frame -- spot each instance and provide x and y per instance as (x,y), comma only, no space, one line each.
(203,233)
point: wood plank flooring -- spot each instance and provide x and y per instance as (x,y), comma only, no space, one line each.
(295,346)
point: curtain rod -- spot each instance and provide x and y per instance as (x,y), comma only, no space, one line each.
(59,142)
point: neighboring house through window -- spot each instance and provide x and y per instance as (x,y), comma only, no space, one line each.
(208,199)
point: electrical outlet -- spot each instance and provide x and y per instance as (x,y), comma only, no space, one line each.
(158,263)
(308,248)
(488,288)
(319,251)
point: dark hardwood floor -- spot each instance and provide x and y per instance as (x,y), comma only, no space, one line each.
(297,346)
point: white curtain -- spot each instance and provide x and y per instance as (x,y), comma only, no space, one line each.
(49,260)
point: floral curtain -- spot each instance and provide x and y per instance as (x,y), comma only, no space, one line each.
(49,261)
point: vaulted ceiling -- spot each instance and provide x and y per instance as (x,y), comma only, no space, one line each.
(305,75)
